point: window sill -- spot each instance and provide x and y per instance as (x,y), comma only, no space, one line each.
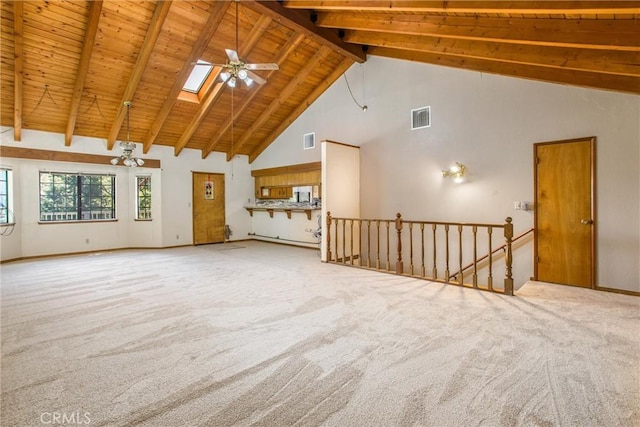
(82,221)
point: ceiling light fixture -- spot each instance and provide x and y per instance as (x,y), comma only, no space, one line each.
(457,172)
(236,69)
(232,77)
(127,147)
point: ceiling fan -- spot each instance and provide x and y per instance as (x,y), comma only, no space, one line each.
(236,69)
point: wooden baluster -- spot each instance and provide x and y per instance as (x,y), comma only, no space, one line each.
(508,235)
(336,244)
(422,251)
(411,248)
(351,240)
(388,247)
(359,242)
(344,241)
(446,241)
(490,278)
(475,256)
(461,280)
(435,253)
(399,263)
(369,243)
(328,236)
(378,244)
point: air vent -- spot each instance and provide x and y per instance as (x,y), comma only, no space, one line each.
(420,118)
(309,141)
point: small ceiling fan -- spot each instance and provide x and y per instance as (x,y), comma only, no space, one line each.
(236,69)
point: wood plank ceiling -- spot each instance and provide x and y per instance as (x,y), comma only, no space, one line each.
(69,66)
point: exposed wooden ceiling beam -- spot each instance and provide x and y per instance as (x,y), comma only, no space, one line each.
(514,7)
(95,9)
(213,22)
(257,32)
(285,51)
(606,34)
(301,22)
(18,68)
(201,113)
(293,85)
(319,90)
(616,62)
(155,26)
(64,156)
(205,104)
(551,75)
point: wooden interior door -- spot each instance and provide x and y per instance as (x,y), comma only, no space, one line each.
(208,208)
(564,215)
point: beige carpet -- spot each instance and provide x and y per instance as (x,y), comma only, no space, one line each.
(267,335)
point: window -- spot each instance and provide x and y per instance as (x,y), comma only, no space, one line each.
(6,216)
(143,197)
(77,197)
(198,76)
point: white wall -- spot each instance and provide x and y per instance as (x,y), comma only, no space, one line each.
(490,124)
(340,189)
(171,199)
(177,182)
(297,230)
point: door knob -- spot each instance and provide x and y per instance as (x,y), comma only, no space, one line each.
(586,221)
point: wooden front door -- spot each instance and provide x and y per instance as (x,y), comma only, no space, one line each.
(564,215)
(208,208)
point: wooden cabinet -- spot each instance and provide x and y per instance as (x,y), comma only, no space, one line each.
(274,193)
(278,183)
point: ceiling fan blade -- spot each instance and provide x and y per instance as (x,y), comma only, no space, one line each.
(233,55)
(261,66)
(256,78)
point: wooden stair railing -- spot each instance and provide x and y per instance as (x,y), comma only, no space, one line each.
(496,250)
(371,243)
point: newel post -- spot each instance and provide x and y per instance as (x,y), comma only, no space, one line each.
(399,266)
(328,233)
(508,259)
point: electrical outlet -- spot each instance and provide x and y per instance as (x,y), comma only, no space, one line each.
(177,237)
(86,241)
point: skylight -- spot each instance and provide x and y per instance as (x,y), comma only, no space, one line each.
(198,76)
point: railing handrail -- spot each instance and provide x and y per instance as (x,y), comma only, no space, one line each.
(498,249)
(464,224)
(342,253)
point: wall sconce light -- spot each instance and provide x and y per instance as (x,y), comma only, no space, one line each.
(457,172)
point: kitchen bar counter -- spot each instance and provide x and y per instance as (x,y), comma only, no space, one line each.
(284,208)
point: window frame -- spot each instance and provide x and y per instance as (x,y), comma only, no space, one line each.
(6,198)
(74,208)
(141,198)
